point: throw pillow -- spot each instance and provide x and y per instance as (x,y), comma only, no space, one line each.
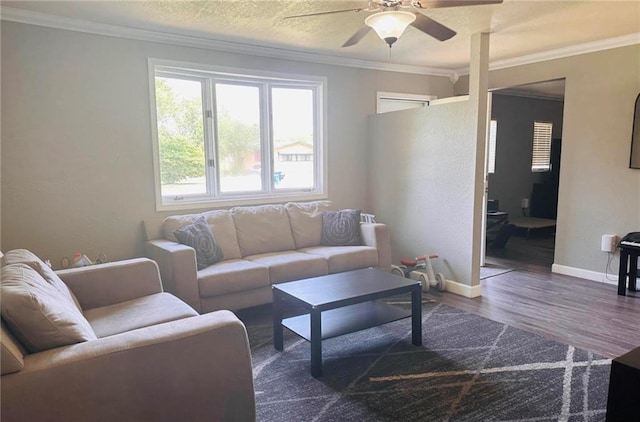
(198,235)
(37,313)
(341,228)
(24,256)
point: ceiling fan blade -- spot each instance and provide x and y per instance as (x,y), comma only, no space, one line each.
(330,12)
(431,27)
(355,38)
(434,4)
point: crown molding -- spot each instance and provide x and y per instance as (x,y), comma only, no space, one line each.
(560,53)
(197,41)
(191,40)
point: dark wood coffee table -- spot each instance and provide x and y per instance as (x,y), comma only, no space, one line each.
(343,303)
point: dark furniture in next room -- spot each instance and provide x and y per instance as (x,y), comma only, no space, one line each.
(498,227)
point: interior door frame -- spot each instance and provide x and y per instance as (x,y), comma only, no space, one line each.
(485,195)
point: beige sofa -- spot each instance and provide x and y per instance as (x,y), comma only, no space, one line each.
(261,245)
(105,343)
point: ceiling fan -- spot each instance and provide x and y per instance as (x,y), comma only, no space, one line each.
(393,17)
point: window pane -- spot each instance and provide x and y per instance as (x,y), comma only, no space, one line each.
(386,105)
(238,120)
(293,122)
(493,131)
(180,137)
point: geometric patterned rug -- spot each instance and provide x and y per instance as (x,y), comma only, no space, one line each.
(469,368)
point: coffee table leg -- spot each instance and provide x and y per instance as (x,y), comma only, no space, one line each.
(416,316)
(278,341)
(316,343)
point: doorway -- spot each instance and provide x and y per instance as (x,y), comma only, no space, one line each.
(523,186)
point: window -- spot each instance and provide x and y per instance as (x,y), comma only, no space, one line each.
(541,157)
(493,131)
(394,101)
(224,136)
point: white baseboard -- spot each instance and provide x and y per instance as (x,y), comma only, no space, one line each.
(463,289)
(476,291)
(586,274)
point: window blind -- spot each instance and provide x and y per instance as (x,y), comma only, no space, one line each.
(541,155)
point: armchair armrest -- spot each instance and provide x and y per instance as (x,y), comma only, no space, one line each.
(178,269)
(113,282)
(196,368)
(377,236)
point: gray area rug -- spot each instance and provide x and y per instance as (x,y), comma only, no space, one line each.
(468,369)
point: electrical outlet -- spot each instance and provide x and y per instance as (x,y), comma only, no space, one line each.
(608,243)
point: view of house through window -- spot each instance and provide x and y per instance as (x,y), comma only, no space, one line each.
(221,136)
(541,156)
(293,137)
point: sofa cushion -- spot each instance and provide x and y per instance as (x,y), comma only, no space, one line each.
(306,221)
(345,258)
(37,313)
(341,228)
(231,276)
(263,229)
(291,265)
(11,353)
(176,222)
(137,313)
(24,256)
(198,235)
(221,224)
(224,230)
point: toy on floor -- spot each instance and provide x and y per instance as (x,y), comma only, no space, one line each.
(415,269)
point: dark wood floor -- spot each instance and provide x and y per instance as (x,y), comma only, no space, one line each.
(586,314)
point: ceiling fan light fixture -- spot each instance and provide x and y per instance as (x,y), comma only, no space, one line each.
(390,25)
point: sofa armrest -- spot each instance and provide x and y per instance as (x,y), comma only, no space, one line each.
(377,235)
(197,368)
(113,282)
(178,269)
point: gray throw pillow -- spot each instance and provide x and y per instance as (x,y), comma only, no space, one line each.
(198,235)
(341,228)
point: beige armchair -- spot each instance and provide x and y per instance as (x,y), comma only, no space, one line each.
(152,358)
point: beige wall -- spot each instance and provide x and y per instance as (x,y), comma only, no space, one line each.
(599,194)
(423,183)
(513,178)
(77,170)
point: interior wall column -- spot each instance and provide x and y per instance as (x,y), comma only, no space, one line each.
(478,97)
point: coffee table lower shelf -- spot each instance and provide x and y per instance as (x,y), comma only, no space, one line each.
(349,319)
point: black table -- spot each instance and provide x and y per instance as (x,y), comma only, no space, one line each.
(624,385)
(343,303)
(628,269)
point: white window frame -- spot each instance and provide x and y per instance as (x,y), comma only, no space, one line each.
(541,150)
(269,194)
(419,100)
(493,135)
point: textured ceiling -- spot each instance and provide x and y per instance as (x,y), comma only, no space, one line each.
(518,27)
